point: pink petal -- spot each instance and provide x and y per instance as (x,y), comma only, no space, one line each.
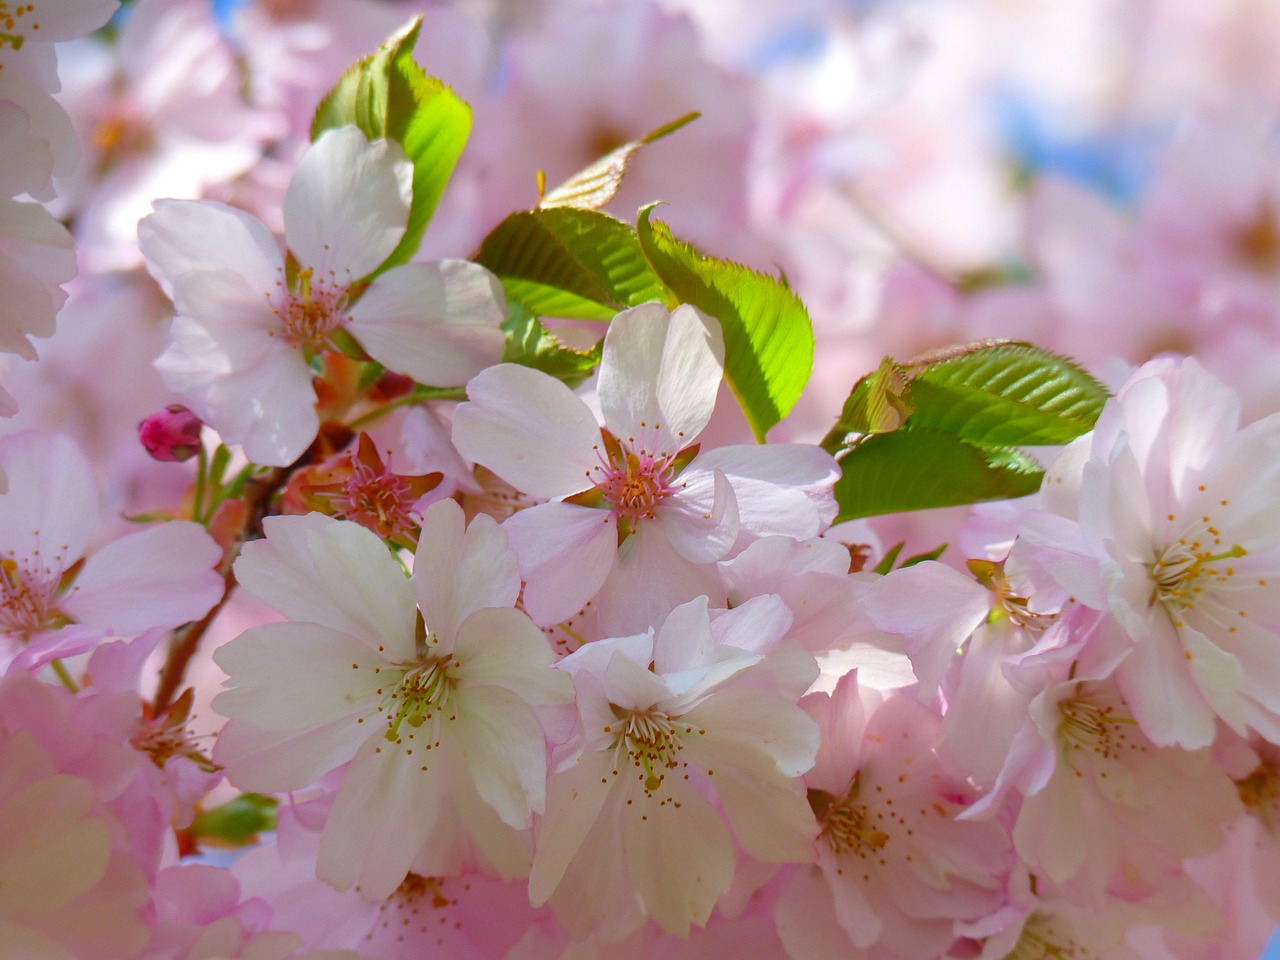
(347,205)
(530,430)
(51,505)
(158,577)
(436,322)
(659,376)
(566,552)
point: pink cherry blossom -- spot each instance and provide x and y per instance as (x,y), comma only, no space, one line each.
(1165,516)
(242,335)
(161,576)
(633,478)
(895,868)
(629,829)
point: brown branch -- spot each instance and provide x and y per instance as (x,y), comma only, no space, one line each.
(186,640)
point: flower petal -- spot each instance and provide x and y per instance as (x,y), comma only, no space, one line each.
(51,505)
(659,376)
(159,577)
(530,430)
(566,552)
(186,235)
(439,323)
(458,570)
(348,204)
(319,570)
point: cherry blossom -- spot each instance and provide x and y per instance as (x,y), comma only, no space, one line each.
(438,723)
(639,478)
(1165,517)
(161,576)
(628,798)
(245,327)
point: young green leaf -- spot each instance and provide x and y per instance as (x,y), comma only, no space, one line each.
(531,344)
(565,262)
(768,338)
(921,468)
(1005,394)
(238,821)
(593,187)
(387,95)
(879,403)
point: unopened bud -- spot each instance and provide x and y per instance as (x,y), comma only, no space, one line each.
(171,434)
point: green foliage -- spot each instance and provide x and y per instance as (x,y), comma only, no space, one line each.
(768,338)
(238,821)
(1006,394)
(387,95)
(918,469)
(566,262)
(891,557)
(531,344)
(944,429)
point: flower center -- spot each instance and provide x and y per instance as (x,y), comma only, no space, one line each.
(848,824)
(16,21)
(633,481)
(1185,568)
(310,311)
(1260,794)
(1042,939)
(379,500)
(648,742)
(1087,726)
(423,694)
(26,598)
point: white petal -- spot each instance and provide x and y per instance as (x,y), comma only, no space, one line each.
(384,813)
(319,570)
(159,577)
(679,856)
(1155,682)
(347,205)
(783,489)
(51,505)
(504,751)
(574,800)
(292,676)
(439,323)
(530,430)
(566,552)
(186,235)
(276,762)
(934,631)
(457,572)
(659,376)
(501,647)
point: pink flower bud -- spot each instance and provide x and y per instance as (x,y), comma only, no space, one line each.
(171,434)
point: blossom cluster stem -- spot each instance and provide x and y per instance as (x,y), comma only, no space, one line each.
(258,494)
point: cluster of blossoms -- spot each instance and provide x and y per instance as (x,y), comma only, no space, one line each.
(388,575)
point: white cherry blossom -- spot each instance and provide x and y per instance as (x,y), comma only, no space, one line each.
(436,713)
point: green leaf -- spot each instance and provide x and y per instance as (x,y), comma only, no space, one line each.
(920,468)
(565,262)
(238,821)
(531,344)
(889,559)
(1005,394)
(387,95)
(768,338)
(592,188)
(879,403)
